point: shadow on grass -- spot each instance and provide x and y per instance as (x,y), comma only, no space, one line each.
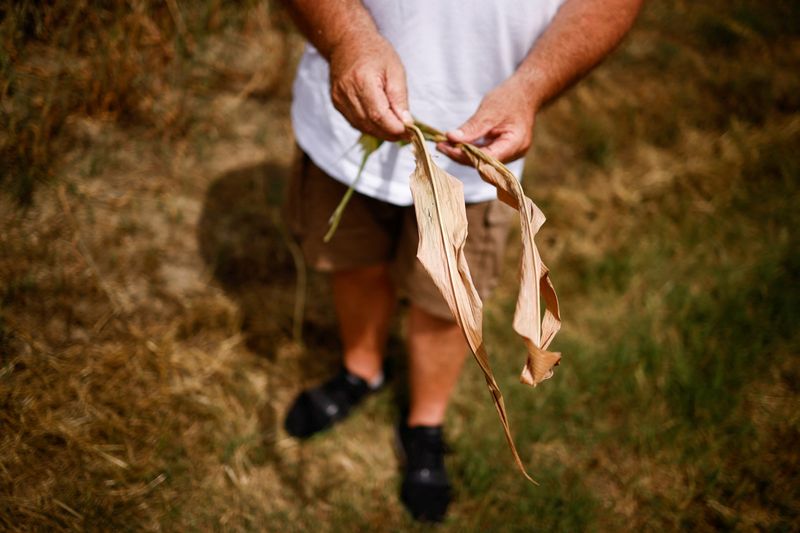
(243,240)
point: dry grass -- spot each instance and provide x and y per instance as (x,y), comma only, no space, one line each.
(147,65)
(146,351)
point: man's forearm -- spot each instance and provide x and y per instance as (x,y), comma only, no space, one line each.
(326,24)
(582,33)
(367,79)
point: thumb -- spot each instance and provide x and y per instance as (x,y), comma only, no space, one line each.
(476,127)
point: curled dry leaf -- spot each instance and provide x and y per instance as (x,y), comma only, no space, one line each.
(537,332)
(534,276)
(442,222)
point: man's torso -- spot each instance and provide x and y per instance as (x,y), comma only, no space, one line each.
(454,52)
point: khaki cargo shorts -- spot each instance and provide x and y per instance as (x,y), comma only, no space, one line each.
(374,232)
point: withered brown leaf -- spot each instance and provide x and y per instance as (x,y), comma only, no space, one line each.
(535,284)
(442,222)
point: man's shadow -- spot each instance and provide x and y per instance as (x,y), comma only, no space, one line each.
(246,245)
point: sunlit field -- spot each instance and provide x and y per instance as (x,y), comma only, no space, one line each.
(148,348)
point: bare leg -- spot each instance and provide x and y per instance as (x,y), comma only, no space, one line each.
(437,350)
(364,299)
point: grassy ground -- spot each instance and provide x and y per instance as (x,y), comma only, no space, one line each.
(146,288)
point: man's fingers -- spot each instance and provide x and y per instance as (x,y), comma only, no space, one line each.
(456,154)
(506,148)
(377,111)
(346,101)
(476,127)
(366,107)
(397,93)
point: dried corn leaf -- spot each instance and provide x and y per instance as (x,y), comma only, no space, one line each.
(534,276)
(442,221)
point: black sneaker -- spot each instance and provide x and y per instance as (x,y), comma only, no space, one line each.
(426,490)
(321,407)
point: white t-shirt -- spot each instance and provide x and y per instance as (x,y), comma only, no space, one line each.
(454,52)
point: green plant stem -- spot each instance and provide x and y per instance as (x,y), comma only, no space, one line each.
(339,211)
(429,132)
(369,144)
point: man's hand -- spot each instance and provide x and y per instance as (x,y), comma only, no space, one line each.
(502,125)
(581,34)
(368,86)
(368,82)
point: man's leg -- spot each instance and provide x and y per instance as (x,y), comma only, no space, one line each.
(364,299)
(437,350)
(363,295)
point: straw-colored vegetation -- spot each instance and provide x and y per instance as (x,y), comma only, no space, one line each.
(146,290)
(442,220)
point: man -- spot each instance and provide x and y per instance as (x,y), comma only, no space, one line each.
(480,69)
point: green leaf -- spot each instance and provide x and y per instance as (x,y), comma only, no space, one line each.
(368,144)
